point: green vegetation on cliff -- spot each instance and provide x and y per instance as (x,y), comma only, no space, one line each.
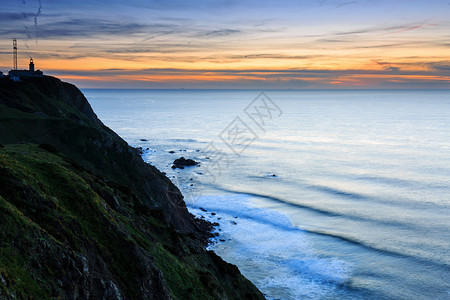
(83,217)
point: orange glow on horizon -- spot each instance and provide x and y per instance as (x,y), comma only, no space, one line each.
(357,44)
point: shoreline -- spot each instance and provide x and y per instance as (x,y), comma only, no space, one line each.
(231,217)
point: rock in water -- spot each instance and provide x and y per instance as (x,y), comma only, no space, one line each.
(183,162)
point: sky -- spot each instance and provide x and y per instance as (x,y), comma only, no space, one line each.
(302,44)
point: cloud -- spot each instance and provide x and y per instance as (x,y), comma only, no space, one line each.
(339,5)
(256,78)
(87,28)
(92,27)
(219,32)
(13,16)
(260,73)
(387,66)
(154,36)
(440,66)
(373,32)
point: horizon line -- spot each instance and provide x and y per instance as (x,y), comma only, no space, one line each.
(272,89)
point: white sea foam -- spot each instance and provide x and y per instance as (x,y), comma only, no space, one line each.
(276,256)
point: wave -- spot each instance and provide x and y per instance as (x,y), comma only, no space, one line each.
(373,199)
(286,253)
(334,191)
(399,182)
(379,250)
(275,199)
(322,211)
(406,203)
(284,225)
(256,218)
(319,188)
(277,256)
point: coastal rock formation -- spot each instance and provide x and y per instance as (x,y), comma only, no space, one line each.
(82,216)
(183,162)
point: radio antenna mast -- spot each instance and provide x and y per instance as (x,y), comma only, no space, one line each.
(15,54)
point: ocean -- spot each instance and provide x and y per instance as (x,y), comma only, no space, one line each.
(333,194)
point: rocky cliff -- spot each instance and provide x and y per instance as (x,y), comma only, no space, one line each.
(82,216)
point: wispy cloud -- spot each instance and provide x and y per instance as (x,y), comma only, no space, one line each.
(387,66)
(373,32)
(219,32)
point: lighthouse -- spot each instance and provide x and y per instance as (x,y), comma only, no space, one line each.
(16,74)
(31,65)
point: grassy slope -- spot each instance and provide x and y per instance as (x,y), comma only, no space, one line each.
(73,225)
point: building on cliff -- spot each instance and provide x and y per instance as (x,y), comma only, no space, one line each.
(16,74)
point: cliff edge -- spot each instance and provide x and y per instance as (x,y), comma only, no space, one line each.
(82,216)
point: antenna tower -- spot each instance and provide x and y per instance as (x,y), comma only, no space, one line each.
(15,54)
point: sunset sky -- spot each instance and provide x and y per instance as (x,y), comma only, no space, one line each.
(299,44)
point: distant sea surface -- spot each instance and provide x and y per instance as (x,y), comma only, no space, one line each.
(332,195)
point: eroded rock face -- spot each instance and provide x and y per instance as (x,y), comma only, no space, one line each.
(82,216)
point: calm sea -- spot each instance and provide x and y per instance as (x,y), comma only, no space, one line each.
(319,194)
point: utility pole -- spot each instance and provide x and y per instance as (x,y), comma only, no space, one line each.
(15,54)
